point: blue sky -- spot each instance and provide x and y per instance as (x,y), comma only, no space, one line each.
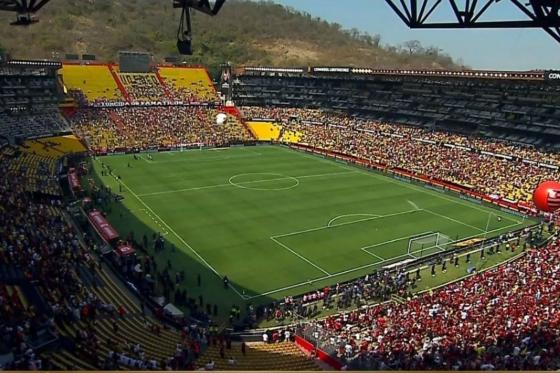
(480,49)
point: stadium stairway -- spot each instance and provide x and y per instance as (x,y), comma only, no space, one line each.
(260,356)
(133,327)
(119,83)
(66,361)
(164,86)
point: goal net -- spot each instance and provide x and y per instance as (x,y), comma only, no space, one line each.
(428,243)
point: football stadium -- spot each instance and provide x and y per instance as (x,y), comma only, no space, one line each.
(180,213)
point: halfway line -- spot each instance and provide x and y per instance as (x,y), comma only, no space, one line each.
(243,183)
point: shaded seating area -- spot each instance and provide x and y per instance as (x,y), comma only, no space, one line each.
(259,356)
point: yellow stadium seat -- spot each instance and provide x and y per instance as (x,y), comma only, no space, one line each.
(95,81)
(265,131)
(192,84)
(56,147)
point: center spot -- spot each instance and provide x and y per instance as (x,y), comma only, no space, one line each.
(263,181)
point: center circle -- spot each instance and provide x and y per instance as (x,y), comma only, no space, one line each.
(254,181)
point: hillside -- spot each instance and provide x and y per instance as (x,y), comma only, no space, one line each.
(245,32)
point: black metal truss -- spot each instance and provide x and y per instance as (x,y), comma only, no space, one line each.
(201,5)
(23,8)
(420,14)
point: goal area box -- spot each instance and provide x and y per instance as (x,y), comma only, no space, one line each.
(427,243)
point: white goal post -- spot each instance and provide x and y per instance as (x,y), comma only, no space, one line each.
(427,241)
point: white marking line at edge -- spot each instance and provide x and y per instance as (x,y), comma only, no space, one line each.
(300,256)
(349,215)
(245,182)
(342,224)
(413,204)
(454,220)
(387,178)
(361,267)
(374,255)
(179,237)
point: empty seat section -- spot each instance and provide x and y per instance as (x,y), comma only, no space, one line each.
(94,81)
(265,131)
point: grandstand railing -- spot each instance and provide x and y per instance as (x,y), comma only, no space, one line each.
(319,354)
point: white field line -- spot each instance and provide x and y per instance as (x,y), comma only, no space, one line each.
(157,222)
(393,240)
(374,255)
(353,169)
(300,256)
(243,183)
(205,159)
(178,237)
(146,160)
(349,215)
(454,220)
(413,204)
(342,224)
(393,259)
(434,193)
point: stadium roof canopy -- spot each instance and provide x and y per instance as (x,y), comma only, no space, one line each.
(433,14)
(420,14)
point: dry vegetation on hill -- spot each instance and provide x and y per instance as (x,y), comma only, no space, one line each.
(245,32)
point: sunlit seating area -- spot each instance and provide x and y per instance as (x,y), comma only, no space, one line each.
(189,84)
(257,356)
(143,86)
(95,82)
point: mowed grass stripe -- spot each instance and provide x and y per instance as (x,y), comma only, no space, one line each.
(231,227)
(249,183)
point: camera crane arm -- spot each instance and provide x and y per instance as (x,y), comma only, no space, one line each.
(184,33)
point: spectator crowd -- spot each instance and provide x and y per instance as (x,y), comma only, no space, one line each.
(155,127)
(505,318)
(41,249)
(495,168)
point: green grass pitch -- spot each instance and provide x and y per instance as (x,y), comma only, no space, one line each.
(280,222)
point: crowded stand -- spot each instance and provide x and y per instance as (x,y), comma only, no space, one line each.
(91,83)
(28,100)
(71,298)
(22,125)
(189,84)
(143,87)
(493,167)
(519,107)
(155,127)
(66,303)
(504,318)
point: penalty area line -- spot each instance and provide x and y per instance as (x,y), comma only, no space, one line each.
(393,259)
(300,256)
